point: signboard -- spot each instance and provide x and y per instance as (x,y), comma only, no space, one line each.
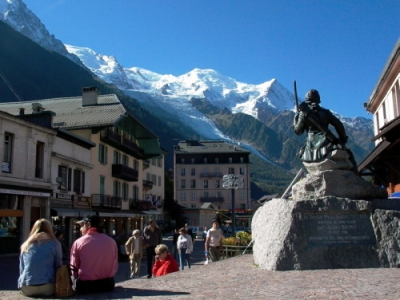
(82,202)
(25,193)
(338,229)
(64,196)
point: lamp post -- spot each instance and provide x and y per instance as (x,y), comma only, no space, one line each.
(233,183)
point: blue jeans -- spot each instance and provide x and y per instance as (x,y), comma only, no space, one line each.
(182,257)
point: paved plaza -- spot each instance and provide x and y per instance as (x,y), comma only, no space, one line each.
(235,278)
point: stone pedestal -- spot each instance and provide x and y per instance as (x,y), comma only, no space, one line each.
(327,233)
(335,219)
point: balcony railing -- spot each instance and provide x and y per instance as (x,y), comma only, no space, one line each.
(147,185)
(124,172)
(135,204)
(106,201)
(116,140)
(211,174)
(211,199)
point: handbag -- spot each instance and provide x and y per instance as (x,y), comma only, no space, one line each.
(63,286)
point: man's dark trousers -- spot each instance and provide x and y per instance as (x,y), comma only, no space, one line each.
(150,252)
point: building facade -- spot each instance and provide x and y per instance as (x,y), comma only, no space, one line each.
(199,167)
(119,162)
(383,163)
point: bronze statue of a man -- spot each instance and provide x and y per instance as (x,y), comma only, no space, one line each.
(320,141)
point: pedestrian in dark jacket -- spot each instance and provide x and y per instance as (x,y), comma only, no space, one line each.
(153,237)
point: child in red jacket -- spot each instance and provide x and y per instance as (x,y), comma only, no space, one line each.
(165,263)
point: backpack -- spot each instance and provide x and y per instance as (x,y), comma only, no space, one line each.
(63,286)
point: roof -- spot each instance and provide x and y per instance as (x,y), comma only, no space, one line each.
(192,146)
(109,111)
(70,113)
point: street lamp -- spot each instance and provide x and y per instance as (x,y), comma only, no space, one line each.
(233,183)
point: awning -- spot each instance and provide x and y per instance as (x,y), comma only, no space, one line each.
(118,214)
(70,212)
(373,155)
(152,212)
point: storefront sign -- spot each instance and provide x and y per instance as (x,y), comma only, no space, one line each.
(25,193)
(80,201)
(64,196)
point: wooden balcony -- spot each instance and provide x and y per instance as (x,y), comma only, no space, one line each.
(106,201)
(124,172)
(110,136)
(132,148)
(211,199)
(116,140)
(147,185)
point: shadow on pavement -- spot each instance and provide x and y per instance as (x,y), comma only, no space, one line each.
(127,293)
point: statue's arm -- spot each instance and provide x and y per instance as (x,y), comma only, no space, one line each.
(298,123)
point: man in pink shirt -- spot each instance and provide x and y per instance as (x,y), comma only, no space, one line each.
(94,258)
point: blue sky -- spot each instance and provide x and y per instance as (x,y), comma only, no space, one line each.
(337,47)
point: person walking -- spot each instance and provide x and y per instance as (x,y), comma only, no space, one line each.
(164,263)
(40,257)
(213,244)
(152,237)
(185,248)
(190,232)
(134,249)
(94,258)
(174,241)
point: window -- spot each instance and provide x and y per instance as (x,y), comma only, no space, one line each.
(102,183)
(216,160)
(103,153)
(205,160)
(218,194)
(242,195)
(125,160)
(135,192)
(241,160)
(183,183)
(183,171)
(193,183)
(135,164)
(63,173)
(193,171)
(205,194)
(117,158)
(217,183)
(39,160)
(193,206)
(154,179)
(117,189)
(205,184)
(192,160)
(159,162)
(243,206)
(193,196)
(159,181)
(125,191)
(182,160)
(182,196)
(231,170)
(230,160)
(7,157)
(241,171)
(79,181)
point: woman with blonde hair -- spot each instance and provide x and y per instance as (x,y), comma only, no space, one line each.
(40,257)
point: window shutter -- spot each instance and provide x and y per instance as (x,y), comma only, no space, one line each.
(69,178)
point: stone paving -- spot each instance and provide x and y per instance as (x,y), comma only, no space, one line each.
(239,278)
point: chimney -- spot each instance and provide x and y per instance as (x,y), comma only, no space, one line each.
(89,96)
(36,108)
(21,111)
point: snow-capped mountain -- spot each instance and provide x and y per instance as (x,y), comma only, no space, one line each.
(173,97)
(17,15)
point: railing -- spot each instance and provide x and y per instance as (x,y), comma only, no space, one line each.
(116,140)
(231,251)
(211,199)
(135,204)
(124,172)
(147,184)
(106,201)
(211,174)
